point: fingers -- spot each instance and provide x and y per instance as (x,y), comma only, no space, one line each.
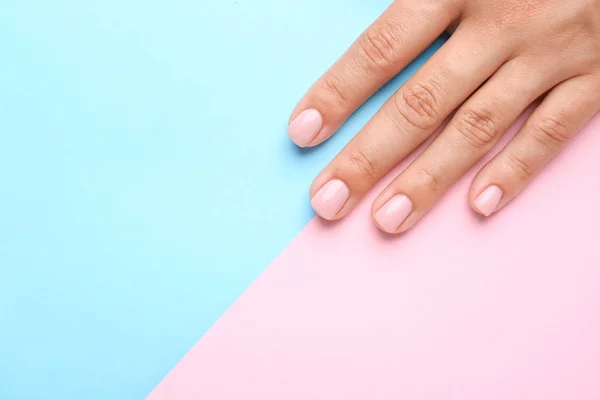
(382,51)
(560,116)
(405,121)
(476,127)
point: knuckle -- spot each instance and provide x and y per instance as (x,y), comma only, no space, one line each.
(419,105)
(551,132)
(364,165)
(334,91)
(477,127)
(520,166)
(430,180)
(380,43)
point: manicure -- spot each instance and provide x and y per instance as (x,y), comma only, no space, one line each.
(487,202)
(330,199)
(394,213)
(305,127)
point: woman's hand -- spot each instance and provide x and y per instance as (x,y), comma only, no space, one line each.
(503,55)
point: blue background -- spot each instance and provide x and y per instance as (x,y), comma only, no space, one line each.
(145,175)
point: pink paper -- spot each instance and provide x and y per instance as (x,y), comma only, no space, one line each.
(460,308)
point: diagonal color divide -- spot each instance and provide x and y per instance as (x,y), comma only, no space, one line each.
(146,177)
(507,308)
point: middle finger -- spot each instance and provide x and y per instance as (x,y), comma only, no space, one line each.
(406,120)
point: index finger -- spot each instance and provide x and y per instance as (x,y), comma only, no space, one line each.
(402,32)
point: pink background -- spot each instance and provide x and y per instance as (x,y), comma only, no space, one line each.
(460,308)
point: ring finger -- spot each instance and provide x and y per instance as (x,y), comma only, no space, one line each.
(472,132)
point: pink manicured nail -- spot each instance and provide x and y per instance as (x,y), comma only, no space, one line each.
(487,202)
(330,199)
(305,127)
(393,213)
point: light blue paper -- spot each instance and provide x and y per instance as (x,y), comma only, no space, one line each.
(145,175)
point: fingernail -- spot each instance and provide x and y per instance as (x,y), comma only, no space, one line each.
(394,213)
(487,202)
(330,199)
(305,127)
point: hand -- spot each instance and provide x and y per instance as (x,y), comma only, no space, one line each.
(502,57)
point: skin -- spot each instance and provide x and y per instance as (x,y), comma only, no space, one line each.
(503,55)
